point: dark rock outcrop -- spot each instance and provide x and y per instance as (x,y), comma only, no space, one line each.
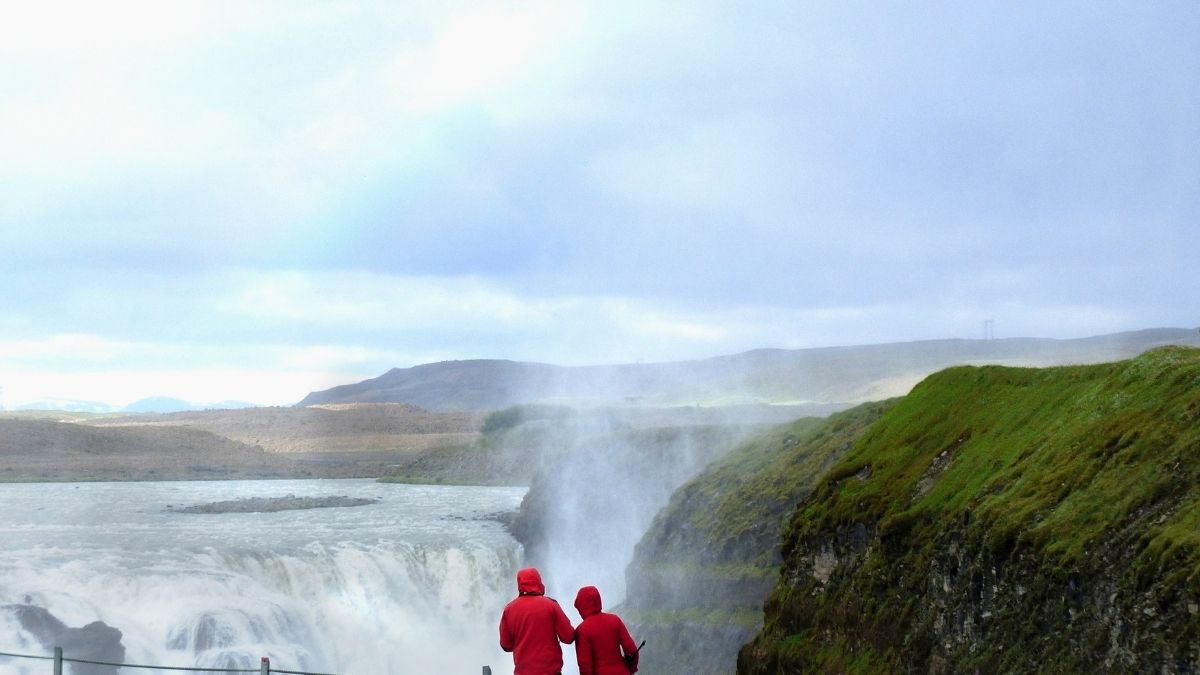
(96,641)
(272,504)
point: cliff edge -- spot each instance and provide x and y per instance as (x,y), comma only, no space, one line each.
(1004,520)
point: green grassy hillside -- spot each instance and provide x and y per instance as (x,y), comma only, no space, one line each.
(1004,520)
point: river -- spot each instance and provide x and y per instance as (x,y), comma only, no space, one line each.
(412,584)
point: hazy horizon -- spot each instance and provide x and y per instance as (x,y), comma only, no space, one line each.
(161,403)
(216,200)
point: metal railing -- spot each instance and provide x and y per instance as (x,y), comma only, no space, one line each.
(264,667)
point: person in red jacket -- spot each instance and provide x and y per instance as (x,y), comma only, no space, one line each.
(531,627)
(603,646)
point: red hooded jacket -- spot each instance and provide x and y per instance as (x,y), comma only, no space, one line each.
(532,626)
(601,638)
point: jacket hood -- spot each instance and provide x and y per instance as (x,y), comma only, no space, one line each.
(529,582)
(587,601)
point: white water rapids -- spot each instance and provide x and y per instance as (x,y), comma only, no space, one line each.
(413,584)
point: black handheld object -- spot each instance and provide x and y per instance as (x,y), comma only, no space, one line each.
(631,659)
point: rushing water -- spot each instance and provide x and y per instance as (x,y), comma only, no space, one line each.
(412,584)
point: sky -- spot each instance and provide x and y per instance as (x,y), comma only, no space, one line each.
(254,200)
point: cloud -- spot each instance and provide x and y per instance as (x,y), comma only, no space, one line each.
(476,53)
(39,29)
(373,301)
(76,348)
(363,185)
(724,166)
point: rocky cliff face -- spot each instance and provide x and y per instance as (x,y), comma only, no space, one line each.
(1004,520)
(702,571)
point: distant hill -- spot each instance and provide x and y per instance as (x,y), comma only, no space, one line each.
(65,405)
(152,404)
(327,428)
(43,449)
(167,404)
(841,375)
(336,441)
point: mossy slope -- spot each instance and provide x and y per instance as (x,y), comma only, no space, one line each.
(1004,520)
(701,572)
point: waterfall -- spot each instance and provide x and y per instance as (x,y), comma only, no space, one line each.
(376,599)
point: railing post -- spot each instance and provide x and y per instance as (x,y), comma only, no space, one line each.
(487,670)
(58,661)
(265,668)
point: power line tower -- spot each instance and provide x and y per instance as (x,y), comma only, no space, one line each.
(989,329)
